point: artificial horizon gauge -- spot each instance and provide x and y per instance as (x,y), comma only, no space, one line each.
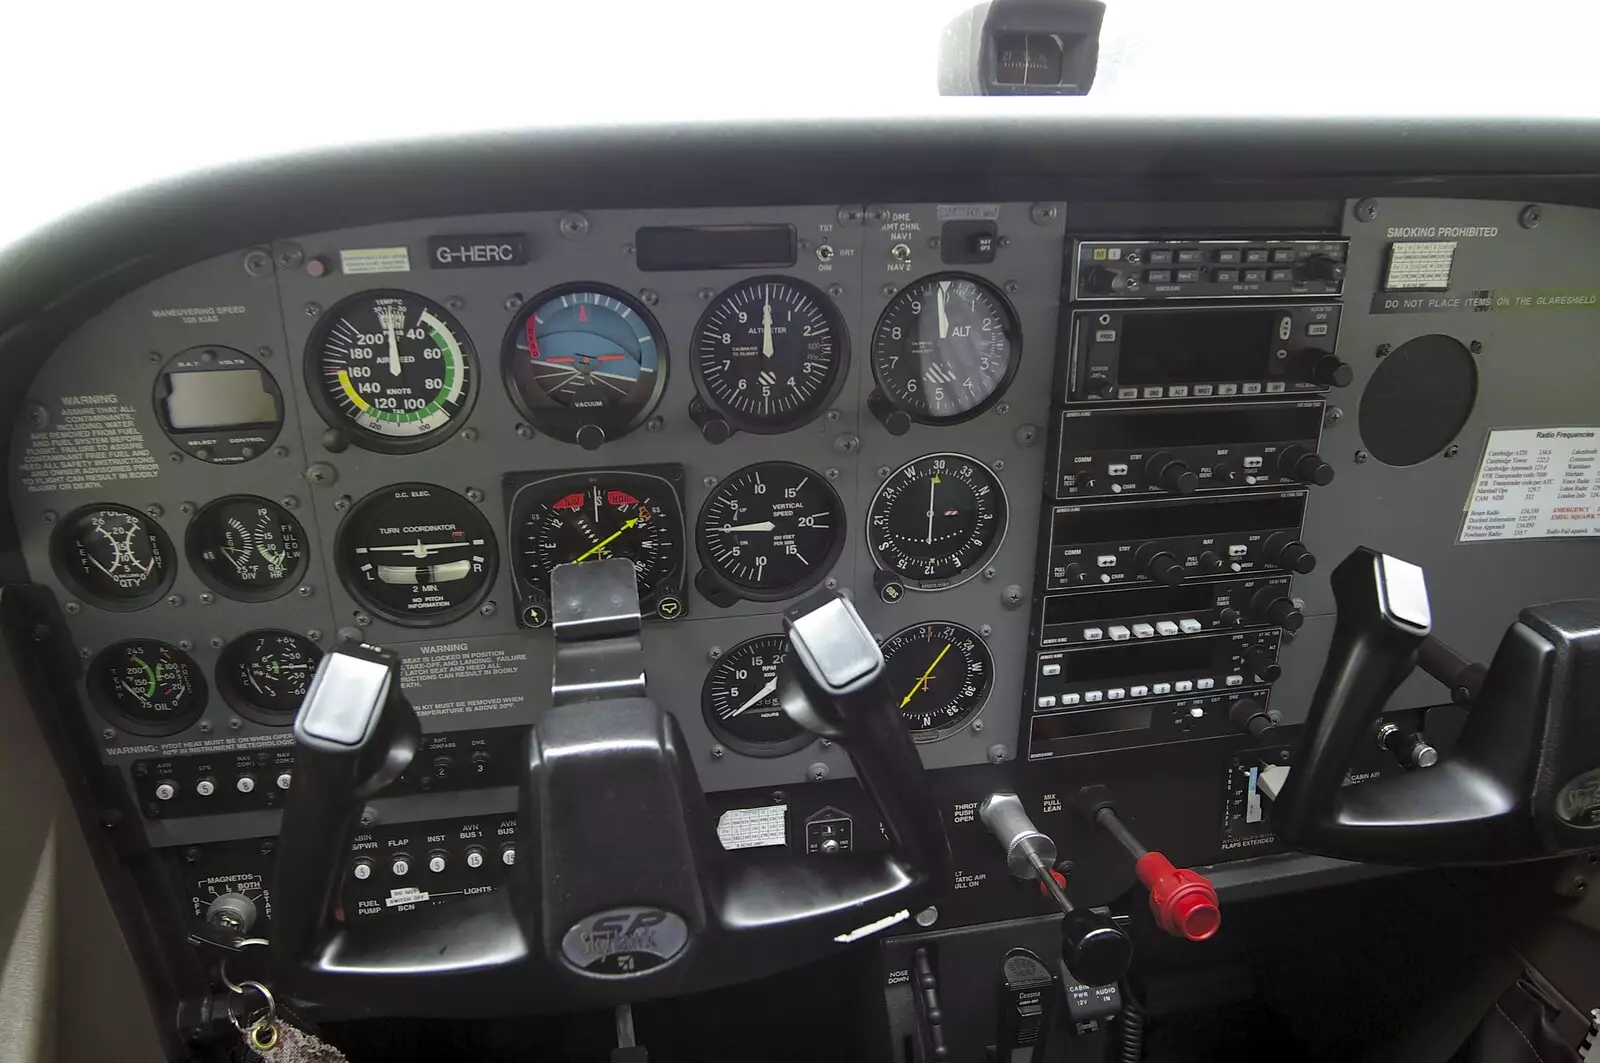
(768,531)
(740,700)
(940,675)
(246,548)
(265,674)
(416,554)
(945,348)
(393,370)
(584,363)
(937,521)
(147,687)
(770,354)
(573,518)
(112,557)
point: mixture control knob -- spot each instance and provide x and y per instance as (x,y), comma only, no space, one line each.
(1269,606)
(1262,664)
(1094,948)
(1159,564)
(1287,552)
(1101,281)
(895,421)
(1328,369)
(1254,718)
(232,911)
(1171,475)
(1307,466)
(1319,267)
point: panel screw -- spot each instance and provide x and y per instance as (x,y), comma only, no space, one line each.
(827,743)
(1013,595)
(988,574)
(831,473)
(1451,451)
(888,291)
(204,727)
(369,816)
(882,471)
(1367,210)
(1384,349)
(257,262)
(289,502)
(313,309)
(704,294)
(933,242)
(713,653)
(999,754)
(206,597)
(655,424)
(363,620)
(174,599)
(314,634)
(186,508)
(1361,457)
(469,434)
(1005,241)
(290,256)
(709,482)
(108,734)
(304,591)
(985,630)
(513,301)
(185,645)
(216,642)
(154,357)
(836,290)
(263,352)
(73,608)
(524,431)
(38,416)
(235,724)
(1475,347)
(48,516)
(341,503)
(455,302)
(717,752)
(627,249)
(817,772)
(174,457)
(977,726)
(85,652)
(847,443)
(1530,216)
(834,415)
(574,226)
(1333,416)
(487,609)
(190,855)
(831,584)
(154,509)
(474,495)
(1043,213)
(649,296)
(1013,287)
(1002,408)
(1026,435)
(849,215)
(321,474)
(999,464)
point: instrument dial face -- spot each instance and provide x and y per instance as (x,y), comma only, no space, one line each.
(112,557)
(589,517)
(937,521)
(585,358)
(946,347)
(770,354)
(416,554)
(147,687)
(392,369)
(771,530)
(740,700)
(940,674)
(247,548)
(265,674)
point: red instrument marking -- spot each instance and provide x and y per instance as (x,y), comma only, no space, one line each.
(572,501)
(611,357)
(620,498)
(533,338)
(583,312)
(558,361)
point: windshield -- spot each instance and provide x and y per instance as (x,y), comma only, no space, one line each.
(154,90)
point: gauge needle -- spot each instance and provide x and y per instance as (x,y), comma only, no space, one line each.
(772,684)
(421,549)
(394,347)
(601,545)
(931,485)
(923,681)
(766,328)
(597,505)
(763,525)
(944,322)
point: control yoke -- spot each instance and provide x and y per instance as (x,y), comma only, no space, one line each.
(622,890)
(1524,779)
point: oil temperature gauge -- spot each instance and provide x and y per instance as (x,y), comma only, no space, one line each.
(264,675)
(147,687)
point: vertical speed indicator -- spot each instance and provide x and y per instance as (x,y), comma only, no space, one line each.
(392,369)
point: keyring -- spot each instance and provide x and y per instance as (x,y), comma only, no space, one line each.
(269,1018)
(222,965)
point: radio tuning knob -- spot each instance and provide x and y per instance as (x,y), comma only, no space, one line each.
(1073,573)
(1328,369)
(1298,463)
(1287,552)
(1321,268)
(1271,607)
(1101,281)
(1097,384)
(896,421)
(1160,565)
(1171,475)
(1230,616)
(1262,664)
(1254,718)
(1210,562)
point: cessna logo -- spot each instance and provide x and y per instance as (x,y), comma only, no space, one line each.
(619,942)
(1579,801)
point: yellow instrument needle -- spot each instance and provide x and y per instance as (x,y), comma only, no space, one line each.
(920,683)
(603,543)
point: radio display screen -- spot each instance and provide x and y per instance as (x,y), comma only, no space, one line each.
(1114,605)
(1143,430)
(1168,346)
(1059,725)
(1104,524)
(1138,659)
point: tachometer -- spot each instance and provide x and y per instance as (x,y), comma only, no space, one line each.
(246,548)
(937,521)
(768,531)
(585,363)
(147,687)
(945,348)
(770,354)
(264,675)
(112,557)
(416,554)
(393,370)
(572,518)
(940,675)
(740,700)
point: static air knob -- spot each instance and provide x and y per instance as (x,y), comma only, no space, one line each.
(1160,565)
(1171,475)
(1268,606)
(1328,369)
(1287,552)
(1298,463)
(1321,268)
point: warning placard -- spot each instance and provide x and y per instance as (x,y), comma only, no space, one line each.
(1536,483)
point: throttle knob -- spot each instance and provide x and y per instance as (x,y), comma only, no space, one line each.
(1298,463)
(1171,475)
(1289,553)
(1160,565)
(1331,371)
(1270,607)
(1262,665)
(1094,948)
